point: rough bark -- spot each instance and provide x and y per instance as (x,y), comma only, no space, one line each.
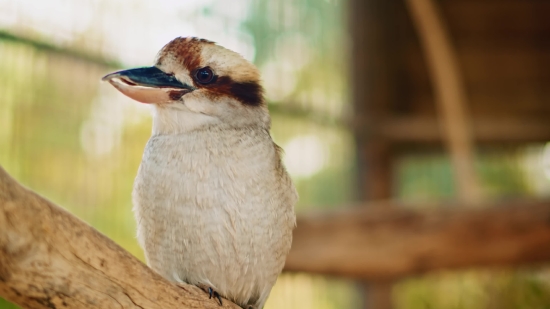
(383,242)
(51,259)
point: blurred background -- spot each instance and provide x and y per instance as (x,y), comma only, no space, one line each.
(357,100)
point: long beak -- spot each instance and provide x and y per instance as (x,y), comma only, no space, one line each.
(148,85)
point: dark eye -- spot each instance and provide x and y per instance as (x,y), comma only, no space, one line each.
(205,75)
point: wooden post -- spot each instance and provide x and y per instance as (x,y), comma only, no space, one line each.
(371,93)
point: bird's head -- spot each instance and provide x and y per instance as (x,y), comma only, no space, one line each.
(195,84)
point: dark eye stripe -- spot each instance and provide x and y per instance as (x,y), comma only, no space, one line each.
(249,93)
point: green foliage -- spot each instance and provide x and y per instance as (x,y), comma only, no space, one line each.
(428,177)
(4,304)
(520,289)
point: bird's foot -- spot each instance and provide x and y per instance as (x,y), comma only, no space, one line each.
(211,292)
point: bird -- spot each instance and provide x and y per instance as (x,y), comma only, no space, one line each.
(213,201)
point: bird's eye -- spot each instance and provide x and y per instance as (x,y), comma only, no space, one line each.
(205,75)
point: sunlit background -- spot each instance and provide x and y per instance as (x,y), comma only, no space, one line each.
(79,142)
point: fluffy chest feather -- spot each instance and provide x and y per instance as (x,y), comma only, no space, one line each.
(216,207)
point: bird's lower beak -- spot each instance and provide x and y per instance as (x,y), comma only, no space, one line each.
(148,85)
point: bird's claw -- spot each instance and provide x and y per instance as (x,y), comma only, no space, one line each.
(212,292)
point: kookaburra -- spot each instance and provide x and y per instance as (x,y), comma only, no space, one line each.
(213,202)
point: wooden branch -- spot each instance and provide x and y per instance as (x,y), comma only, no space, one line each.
(450,93)
(51,259)
(382,242)
(67,52)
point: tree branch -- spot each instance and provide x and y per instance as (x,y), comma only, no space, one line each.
(51,259)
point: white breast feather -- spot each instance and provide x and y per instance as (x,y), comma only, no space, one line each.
(215,207)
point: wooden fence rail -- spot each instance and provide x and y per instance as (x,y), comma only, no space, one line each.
(386,241)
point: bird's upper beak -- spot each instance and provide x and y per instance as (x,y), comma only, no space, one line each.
(148,85)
